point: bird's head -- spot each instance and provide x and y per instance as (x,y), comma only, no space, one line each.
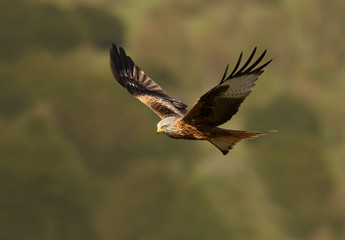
(166,125)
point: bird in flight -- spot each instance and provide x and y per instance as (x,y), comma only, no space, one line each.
(212,109)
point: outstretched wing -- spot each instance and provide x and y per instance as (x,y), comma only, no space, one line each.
(142,86)
(218,105)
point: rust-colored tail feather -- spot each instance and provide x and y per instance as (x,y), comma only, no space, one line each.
(224,139)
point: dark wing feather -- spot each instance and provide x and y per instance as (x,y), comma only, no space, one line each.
(219,104)
(142,86)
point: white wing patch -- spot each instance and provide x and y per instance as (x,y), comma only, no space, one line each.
(240,87)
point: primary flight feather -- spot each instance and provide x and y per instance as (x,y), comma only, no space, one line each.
(214,108)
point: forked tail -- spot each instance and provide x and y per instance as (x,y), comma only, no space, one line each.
(224,140)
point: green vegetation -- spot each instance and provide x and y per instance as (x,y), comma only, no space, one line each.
(80,159)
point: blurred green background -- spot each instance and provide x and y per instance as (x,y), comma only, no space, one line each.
(80,158)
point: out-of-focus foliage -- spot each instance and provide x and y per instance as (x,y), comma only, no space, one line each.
(80,159)
(27,27)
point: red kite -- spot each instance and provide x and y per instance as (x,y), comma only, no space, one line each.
(214,108)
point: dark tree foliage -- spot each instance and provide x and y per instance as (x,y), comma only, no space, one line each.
(28,26)
(293,163)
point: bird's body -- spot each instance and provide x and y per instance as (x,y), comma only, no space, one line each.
(180,130)
(214,108)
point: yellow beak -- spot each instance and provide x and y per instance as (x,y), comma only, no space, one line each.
(160,130)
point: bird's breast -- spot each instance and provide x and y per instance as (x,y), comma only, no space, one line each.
(187,131)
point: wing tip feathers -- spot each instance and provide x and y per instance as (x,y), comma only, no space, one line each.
(245,69)
(122,67)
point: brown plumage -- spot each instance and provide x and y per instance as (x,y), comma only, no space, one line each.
(214,108)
